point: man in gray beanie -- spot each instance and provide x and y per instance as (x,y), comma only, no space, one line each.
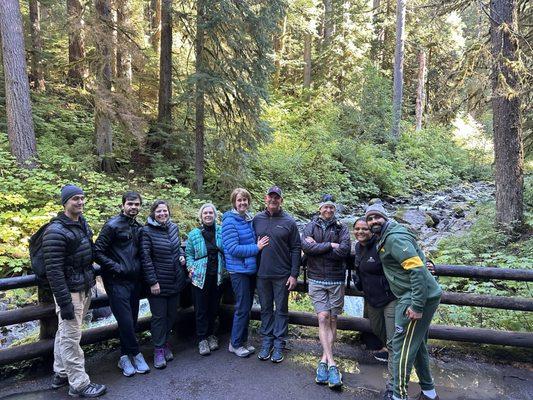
(418,293)
(67,246)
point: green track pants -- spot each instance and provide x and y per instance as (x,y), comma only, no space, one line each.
(409,346)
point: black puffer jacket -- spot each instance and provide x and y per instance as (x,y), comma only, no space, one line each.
(323,262)
(68,257)
(161,250)
(371,276)
(118,249)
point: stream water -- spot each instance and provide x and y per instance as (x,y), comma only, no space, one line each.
(433,215)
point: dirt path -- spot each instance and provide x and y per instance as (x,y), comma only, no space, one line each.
(224,376)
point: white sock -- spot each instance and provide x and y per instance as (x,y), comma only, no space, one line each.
(430,393)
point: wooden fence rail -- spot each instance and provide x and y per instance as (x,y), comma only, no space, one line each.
(45,312)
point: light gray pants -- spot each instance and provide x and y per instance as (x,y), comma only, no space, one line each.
(69,360)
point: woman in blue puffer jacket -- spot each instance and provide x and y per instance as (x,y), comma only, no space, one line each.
(240,251)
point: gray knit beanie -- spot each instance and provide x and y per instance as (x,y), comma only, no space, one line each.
(374,209)
(68,191)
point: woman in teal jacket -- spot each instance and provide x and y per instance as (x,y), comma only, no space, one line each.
(206,266)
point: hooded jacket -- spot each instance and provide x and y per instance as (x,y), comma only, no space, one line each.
(240,247)
(324,262)
(160,253)
(68,270)
(404,265)
(118,249)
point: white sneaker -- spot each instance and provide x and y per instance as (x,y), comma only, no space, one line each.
(250,348)
(239,352)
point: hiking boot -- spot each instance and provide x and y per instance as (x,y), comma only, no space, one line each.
(239,351)
(322,373)
(250,348)
(168,352)
(212,341)
(387,395)
(59,381)
(265,353)
(335,377)
(126,366)
(159,358)
(277,356)
(141,367)
(203,348)
(91,390)
(382,356)
(422,396)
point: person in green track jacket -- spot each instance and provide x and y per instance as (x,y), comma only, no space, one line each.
(418,296)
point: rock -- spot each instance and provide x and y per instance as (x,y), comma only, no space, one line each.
(440,204)
(375,200)
(389,199)
(458,212)
(432,219)
(458,197)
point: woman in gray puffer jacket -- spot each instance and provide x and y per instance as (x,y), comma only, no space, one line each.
(163,262)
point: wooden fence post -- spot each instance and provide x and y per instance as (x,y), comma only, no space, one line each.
(48,325)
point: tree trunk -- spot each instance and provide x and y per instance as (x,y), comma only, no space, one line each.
(124,71)
(279,47)
(102,108)
(307,60)
(420,91)
(77,72)
(200,97)
(328,22)
(37,74)
(508,146)
(164,110)
(398,69)
(17,89)
(155,22)
(377,42)
(386,33)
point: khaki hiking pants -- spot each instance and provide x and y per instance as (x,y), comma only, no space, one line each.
(69,360)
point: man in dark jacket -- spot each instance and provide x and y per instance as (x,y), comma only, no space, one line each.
(118,253)
(326,241)
(278,269)
(418,296)
(68,256)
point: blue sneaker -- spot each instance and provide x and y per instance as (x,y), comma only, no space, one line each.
(322,373)
(277,356)
(265,353)
(335,377)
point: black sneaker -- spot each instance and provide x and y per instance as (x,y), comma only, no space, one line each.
(277,355)
(91,390)
(382,356)
(59,381)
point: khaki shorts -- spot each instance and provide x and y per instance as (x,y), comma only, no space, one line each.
(327,297)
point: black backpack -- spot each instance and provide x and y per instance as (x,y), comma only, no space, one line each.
(36,252)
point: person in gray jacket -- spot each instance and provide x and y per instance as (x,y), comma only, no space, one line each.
(278,268)
(326,242)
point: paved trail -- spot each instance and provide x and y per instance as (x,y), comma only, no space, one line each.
(224,376)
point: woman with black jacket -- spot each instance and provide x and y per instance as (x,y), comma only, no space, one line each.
(163,263)
(379,300)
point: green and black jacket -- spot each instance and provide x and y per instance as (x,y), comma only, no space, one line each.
(404,265)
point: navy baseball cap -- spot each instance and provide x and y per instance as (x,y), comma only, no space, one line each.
(275,189)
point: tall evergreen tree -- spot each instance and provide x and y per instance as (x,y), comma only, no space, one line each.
(18,105)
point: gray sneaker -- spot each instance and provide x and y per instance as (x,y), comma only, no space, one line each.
(239,351)
(213,342)
(203,348)
(140,365)
(168,352)
(250,348)
(126,366)
(91,390)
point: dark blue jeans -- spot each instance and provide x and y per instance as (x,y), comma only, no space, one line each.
(274,324)
(124,302)
(243,288)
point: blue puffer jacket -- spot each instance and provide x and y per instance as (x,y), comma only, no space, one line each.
(240,248)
